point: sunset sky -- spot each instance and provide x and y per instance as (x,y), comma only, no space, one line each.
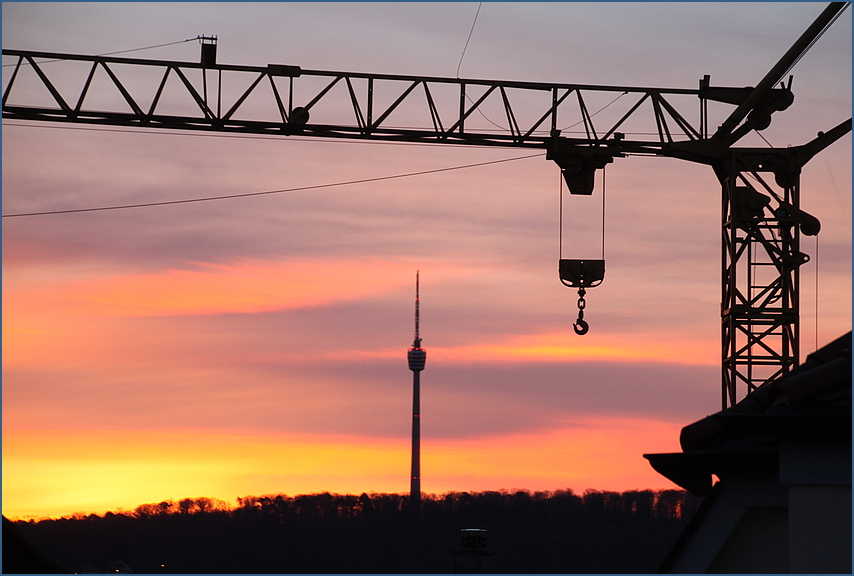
(258,345)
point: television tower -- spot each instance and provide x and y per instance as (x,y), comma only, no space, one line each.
(417,356)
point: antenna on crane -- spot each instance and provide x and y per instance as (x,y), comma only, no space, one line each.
(208,50)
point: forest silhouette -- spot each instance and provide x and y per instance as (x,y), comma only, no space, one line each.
(539,532)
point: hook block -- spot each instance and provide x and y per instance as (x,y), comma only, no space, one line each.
(581,273)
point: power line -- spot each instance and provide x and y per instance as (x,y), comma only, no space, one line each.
(266,192)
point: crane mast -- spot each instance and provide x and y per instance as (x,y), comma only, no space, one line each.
(760,188)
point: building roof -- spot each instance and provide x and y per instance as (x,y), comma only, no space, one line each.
(810,403)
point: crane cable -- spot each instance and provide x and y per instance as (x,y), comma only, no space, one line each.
(814,40)
(581,327)
(122,51)
(560,217)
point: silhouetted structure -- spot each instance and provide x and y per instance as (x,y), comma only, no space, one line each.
(417,357)
(472,557)
(783,458)
(21,557)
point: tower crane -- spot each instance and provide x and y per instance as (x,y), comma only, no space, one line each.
(761,218)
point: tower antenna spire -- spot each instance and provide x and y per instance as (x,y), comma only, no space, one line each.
(417,343)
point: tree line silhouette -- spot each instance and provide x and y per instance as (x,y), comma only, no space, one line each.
(539,532)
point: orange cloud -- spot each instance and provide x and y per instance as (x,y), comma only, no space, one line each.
(40,310)
(246,286)
(566,346)
(61,315)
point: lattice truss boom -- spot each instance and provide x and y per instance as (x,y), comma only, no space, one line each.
(279,99)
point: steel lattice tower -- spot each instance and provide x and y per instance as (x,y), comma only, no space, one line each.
(417,357)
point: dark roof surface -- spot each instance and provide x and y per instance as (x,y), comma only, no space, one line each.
(812,402)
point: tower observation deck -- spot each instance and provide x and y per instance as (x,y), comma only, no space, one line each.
(417,357)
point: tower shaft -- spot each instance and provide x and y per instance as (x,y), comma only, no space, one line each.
(415,476)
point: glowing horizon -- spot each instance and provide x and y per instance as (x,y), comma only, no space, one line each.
(118,470)
(258,344)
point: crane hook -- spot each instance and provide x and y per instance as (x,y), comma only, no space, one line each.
(581,327)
